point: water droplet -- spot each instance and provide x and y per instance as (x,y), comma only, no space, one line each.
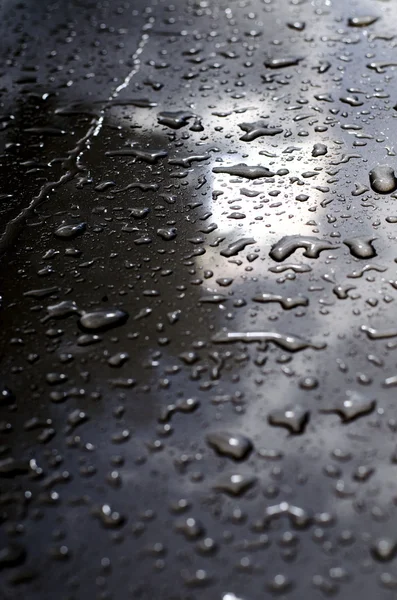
(235,484)
(69,232)
(282,62)
(383,180)
(245,171)
(279,584)
(103,319)
(191,528)
(233,445)
(62,309)
(319,150)
(235,247)
(108,516)
(362,21)
(384,549)
(294,419)
(167,233)
(12,555)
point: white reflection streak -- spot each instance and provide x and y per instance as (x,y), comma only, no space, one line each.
(135,69)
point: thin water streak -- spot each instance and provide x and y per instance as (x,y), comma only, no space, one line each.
(73,161)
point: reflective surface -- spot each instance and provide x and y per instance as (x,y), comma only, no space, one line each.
(198,287)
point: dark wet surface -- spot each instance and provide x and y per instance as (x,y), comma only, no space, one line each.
(198,285)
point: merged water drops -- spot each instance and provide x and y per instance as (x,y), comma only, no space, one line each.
(175,119)
(287,245)
(286,302)
(237,246)
(258,129)
(291,343)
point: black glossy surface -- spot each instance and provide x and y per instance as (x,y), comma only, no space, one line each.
(198,288)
